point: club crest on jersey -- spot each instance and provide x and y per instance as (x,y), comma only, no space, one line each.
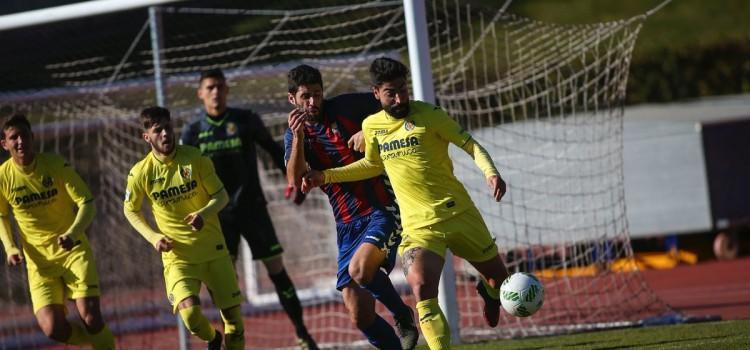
(409,125)
(231,128)
(186,171)
(47,181)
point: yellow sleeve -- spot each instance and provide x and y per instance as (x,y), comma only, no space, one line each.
(80,194)
(359,170)
(140,224)
(448,129)
(132,208)
(217,202)
(369,166)
(6,234)
(75,186)
(211,182)
(481,158)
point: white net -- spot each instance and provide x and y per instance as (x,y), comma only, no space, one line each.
(545,100)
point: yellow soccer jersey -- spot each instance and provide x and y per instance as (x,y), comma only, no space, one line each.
(43,197)
(176,188)
(414,153)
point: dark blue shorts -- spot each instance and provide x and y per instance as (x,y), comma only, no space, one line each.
(379,228)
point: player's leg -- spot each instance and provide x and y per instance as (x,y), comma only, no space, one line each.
(91,315)
(265,247)
(361,307)
(230,228)
(422,252)
(377,249)
(82,280)
(470,239)
(47,290)
(221,281)
(51,319)
(183,283)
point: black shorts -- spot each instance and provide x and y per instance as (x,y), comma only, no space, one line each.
(255,225)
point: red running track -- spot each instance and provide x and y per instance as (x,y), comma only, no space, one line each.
(709,288)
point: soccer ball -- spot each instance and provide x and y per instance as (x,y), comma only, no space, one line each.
(521,294)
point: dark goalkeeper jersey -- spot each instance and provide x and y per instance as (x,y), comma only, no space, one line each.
(230,143)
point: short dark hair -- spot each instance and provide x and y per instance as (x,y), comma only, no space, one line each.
(384,69)
(303,75)
(154,115)
(215,73)
(17,121)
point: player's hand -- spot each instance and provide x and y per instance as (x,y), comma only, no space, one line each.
(66,242)
(194,220)
(497,186)
(15,259)
(312,179)
(296,120)
(163,245)
(357,142)
(299,197)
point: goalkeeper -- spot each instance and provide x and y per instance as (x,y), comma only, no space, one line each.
(410,141)
(327,133)
(185,196)
(42,190)
(228,136)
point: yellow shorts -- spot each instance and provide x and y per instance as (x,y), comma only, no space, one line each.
(465,234)
(72,274)
(184,280)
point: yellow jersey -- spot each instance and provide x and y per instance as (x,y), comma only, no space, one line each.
(414,153)
(42,196)
(175,188)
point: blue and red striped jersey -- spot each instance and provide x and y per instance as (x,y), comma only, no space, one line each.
(326,147)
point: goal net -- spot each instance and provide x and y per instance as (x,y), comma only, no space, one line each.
(544,99)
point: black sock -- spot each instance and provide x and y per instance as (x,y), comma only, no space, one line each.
(289,301)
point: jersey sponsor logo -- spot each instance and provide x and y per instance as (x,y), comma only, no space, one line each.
(186,172)
(409,125)
(398,144)
(174,191)
(220,145)
(47,181)
(34,199)
(380,132)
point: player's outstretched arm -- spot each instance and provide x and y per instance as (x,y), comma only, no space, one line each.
(217,202)
(12,252)
(483,160)
(359,170)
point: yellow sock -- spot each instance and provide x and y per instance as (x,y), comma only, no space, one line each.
(104,340)
(433,324)
(78,335)
(492,292)
(196,323)
(234,328)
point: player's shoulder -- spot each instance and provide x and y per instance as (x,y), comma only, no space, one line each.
(426,112)
(187,151)
(6,167)
(51,160)
(241,115)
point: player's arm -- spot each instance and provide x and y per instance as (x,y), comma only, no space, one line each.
(294,148)
(12,253)
(81,195)
(369,166)
(264,139)
(132,209)
(219,198)
(450,130)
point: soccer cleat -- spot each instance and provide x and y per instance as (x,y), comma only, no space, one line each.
(491,306)
(306,342)
(407,330)
(215,344)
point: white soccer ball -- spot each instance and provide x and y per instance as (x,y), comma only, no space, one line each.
(521,294)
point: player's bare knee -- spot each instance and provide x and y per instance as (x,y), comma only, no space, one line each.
(360,274)
(93,322)
(56,330)
(188,302)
